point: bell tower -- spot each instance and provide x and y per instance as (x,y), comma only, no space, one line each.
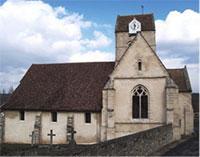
(126,29)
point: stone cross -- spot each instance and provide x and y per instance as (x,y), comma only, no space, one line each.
(51,136)
(32,135)
(72,136)
(73,132)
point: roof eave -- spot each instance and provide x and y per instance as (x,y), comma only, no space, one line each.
(49,110)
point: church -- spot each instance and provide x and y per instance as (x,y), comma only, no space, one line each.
(98,101)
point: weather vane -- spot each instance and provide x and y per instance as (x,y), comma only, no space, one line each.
(142,7)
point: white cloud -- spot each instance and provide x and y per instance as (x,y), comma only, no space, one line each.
(178,34)
(100,40)
(179,27)
(92,56)
(174,62)
(35,32)
(178,42)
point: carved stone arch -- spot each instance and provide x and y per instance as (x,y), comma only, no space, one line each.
(140,102)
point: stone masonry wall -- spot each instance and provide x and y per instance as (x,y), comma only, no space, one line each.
(143,143)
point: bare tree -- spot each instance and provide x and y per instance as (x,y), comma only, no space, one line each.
(3,91)
(10,91)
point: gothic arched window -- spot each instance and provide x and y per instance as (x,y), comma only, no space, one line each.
(140,102)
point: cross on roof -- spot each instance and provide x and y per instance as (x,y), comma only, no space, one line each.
(51,136)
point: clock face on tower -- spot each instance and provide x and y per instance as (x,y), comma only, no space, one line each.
(134,26)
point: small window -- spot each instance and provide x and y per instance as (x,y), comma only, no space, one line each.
(21,113)
(139,65)
(87,117)
(54,116)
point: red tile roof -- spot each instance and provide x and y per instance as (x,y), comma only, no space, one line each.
(146,20)
(69,87)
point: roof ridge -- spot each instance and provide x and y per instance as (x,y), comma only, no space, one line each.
(136,15)
(154,53)
(73,63)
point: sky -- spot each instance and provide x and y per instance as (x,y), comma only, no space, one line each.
(57,31)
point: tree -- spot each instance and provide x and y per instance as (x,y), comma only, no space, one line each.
(3,91)
(10,91)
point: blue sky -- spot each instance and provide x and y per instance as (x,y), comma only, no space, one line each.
(105,11)
(54,31)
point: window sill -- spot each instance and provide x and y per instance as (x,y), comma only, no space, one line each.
(141,120)
(88,124)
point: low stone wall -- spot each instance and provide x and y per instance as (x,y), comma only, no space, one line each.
(143,143)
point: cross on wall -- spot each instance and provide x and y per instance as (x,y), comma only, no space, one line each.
(51,136)
(72,132)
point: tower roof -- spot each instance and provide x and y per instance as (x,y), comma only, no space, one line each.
(146,20)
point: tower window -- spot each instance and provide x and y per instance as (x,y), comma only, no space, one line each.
(87,117)
(54,116)
(139,65)
(22,117)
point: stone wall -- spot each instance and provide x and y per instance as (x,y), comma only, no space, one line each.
(143,143)
(41,124)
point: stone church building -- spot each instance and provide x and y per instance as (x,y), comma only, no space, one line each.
(99,101)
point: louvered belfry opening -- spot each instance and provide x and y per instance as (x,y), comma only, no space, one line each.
(140,102)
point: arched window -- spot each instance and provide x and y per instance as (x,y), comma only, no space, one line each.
(140,102)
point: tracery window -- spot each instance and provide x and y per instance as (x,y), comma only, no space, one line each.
(140,102)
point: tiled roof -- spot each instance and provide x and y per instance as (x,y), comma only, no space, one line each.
(146,20)
(62,87)
(69,87)
(180,77)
